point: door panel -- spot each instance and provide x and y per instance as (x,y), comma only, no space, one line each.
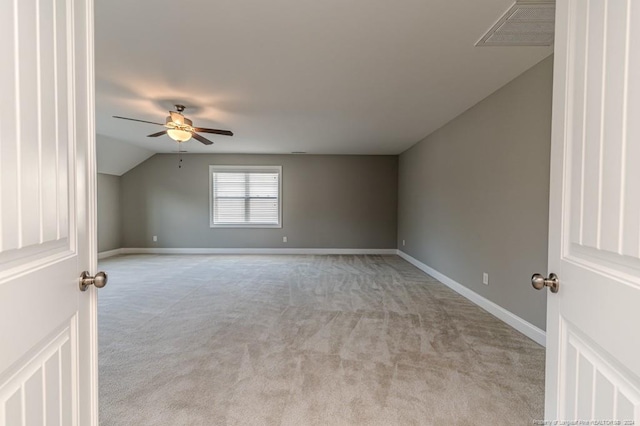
(630,213)
(47,214)
(36,163)
(593,353)
(42,388)
(596,385)
(597,112)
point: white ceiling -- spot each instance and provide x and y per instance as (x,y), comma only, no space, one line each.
(325,77)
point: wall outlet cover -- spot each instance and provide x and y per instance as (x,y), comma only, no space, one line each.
(284,239)
(485,278)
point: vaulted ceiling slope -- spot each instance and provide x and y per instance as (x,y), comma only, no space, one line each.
(324,77)
(116,157)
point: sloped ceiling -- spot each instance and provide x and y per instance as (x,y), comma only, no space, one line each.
(324,77)
(115,157)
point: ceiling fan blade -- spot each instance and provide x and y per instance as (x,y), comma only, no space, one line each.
(135,119)
(216,131)
(155,135)
(201,139)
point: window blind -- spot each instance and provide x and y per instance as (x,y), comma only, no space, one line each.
(245,196)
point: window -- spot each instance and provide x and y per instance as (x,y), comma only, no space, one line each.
(246,196)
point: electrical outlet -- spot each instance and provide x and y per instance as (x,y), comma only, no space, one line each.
(485,278)
(284,239)
(155,238)
(403,243)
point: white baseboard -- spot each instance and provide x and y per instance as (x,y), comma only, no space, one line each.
(151,250)
(109,253)
(534,333)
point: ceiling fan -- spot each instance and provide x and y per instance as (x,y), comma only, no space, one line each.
(180,128)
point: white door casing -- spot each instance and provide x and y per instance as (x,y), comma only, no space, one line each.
(593,322)
(48,339)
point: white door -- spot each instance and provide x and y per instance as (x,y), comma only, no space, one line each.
(48,356)
(593,322)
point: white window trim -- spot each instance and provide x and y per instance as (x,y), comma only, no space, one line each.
(240,168)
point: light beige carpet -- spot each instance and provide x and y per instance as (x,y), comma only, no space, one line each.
(304,340)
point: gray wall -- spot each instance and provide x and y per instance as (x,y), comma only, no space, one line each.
(328,202)
(109,224)
(473,196)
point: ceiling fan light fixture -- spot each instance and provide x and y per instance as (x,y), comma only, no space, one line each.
(179,135)
(180,129)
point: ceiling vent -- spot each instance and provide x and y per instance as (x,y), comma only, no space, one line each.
(526,23)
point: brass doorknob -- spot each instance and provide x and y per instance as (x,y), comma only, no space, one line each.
(539,282)
(100,280)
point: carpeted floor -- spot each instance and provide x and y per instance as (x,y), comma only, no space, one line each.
(304,340)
